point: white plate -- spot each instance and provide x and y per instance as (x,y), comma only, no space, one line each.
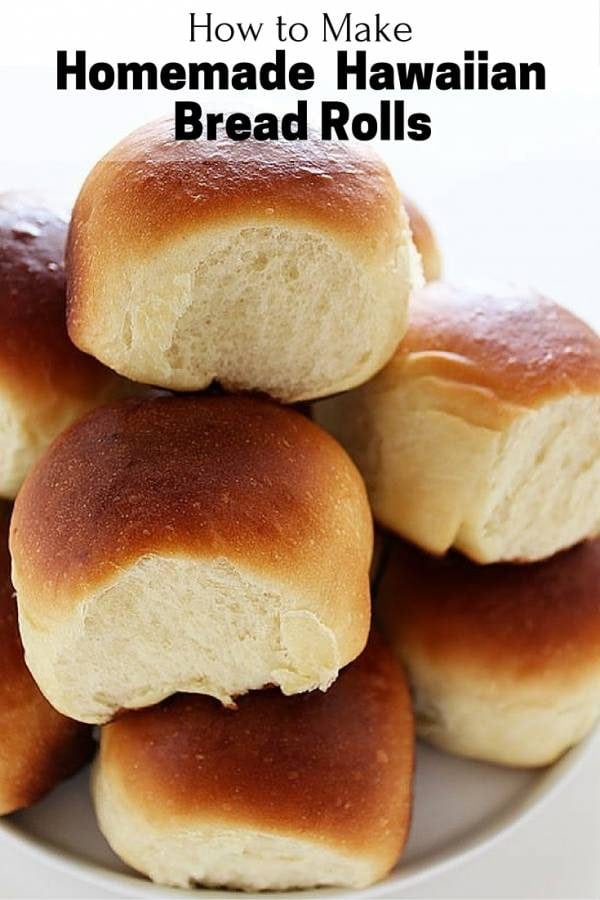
(460,807)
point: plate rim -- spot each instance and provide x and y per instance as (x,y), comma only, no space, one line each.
(551,780)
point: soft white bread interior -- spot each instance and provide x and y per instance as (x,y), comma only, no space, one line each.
(45,381)
(209,544)
(503,660)
(483,432)
(284,792)
(278,267)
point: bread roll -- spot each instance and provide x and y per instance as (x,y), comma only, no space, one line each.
(483,432)
(284,792)
(504,660)
(38,746)
(425,241)
(272,266)
(211,544)
(45,382)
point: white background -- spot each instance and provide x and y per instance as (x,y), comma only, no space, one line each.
(511,182)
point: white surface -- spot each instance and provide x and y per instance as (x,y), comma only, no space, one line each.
(512,183)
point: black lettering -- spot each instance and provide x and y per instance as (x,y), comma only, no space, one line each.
(63,69)
(208,71)
(243,77)
(328,26)
(381,30)
(469,81)
(358,69)
(403,32)
(188,120)
(448,77)
(417,75)
(206,26)
(250,30)
(266,127)
(272,74)
(482,70)
(334,117)
(526,69)
(364,127)
(229,32)
(213,120)
(503,77)
(294,126)
(419,127)
(382,77)
(172,76)
(399,120)
(101,76)
(238,127)
(302,76)
(136,71)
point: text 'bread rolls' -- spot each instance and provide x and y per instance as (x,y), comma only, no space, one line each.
(212,544)
(45,381)
(38,746)
(284,792)
(504,660)
(483,432)
(278,267)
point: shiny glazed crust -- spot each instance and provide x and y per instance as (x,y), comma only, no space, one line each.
(37,359)
(514,343)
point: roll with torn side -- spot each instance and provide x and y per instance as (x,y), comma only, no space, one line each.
(212,544)
(284,792)
(279,267)
(45,381)
(503,660)
(483,431)
(424,240)
(38,747)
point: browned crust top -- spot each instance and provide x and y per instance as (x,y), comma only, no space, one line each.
(336,766)
(205,476)
(35,351)
(150,188)
(526,620)
(522,346)
(38,746)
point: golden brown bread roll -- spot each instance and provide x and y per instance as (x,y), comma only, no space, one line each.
(284,792)
(45,382)
(212,544)
(483,432)
(504,660)
(38,746)
(271,266)
(424,240)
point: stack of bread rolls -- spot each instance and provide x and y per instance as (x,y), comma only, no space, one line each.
(482,434)
(192,563)
(46,383)
(192,569)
